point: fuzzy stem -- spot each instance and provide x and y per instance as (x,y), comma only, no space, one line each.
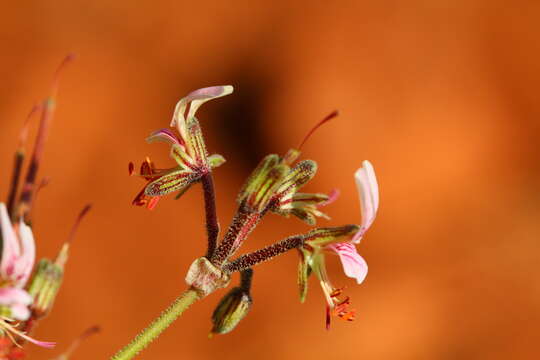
(243,223)
(145,337)
(249,260)
(212,224)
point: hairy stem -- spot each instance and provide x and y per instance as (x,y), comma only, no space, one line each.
(243,223)
(247,261)
(151,333)
(212,224)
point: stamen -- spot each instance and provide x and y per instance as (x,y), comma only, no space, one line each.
(319,124)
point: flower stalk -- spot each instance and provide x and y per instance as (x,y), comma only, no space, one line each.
(145,337)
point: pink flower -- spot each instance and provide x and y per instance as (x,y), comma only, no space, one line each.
(354,265)
(187,149)
(18,251)
(326,240)
(18,254)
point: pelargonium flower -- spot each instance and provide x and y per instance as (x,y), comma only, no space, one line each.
(319,242)
(187,149)
(18,255)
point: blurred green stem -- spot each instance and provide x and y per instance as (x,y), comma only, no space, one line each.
(166,318)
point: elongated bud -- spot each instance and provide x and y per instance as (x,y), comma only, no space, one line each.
(44,287)
(326,236)
(263,183)
(233,307)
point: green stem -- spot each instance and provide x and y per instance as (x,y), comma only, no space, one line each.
(166,318)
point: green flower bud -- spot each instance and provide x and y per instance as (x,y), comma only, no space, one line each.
(230,310)
(233,307)
(44,286)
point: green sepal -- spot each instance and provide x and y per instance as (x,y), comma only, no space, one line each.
(44,286)
(304,271)
(297,177)
(325,236)
(216,160)
(173,181)
(263,183)
(181,157)
(258,175)
(195,141)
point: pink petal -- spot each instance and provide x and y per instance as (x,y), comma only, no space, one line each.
(354,265)
(197,98)
(10,244)
(12,295)
(366,182)
(25,262)
(20,312)
(165,135)
(332,196)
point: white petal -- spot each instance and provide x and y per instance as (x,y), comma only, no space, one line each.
(10,244)
(368,189)
(20,312)
(25,262)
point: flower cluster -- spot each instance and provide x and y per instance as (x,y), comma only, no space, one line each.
(187,149)
(273,187)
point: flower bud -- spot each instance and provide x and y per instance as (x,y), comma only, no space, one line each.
(231,309)
(263,183)
(234,306)
(44,286)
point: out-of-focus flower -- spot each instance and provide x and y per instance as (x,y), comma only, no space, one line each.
(18,255)
(187,149)
(321,241)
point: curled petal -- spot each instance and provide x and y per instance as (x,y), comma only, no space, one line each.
(366,182)
(164,135)
(197,98)
(354,265)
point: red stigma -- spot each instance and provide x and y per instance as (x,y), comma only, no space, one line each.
(328,117)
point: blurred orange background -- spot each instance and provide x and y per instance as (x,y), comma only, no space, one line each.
(441,96)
